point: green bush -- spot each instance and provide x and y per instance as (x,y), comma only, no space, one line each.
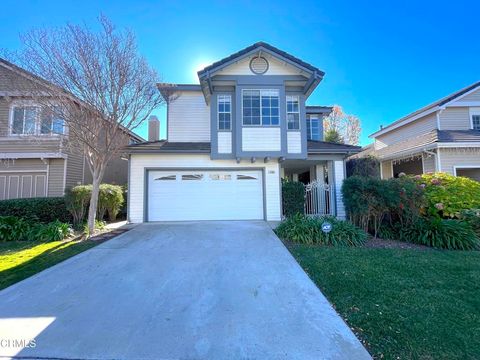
(472,217)
(367,166)
(77,200)
(441,233)
(13,228)
(293,196)
(42,210)
(448,195)
(308,230)
(110,199)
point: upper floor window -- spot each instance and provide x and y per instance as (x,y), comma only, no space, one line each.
(224,112)
(260,107)
(293,113)
(476,121)
(313,128)
(32,120)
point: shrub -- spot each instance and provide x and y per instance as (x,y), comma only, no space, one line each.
(77,199)
(54,231)
(472,217)
(441,233)
(308,230)
(13,228)
(110,199)
(293,195)
(367,166)
(42,210)
(448,195)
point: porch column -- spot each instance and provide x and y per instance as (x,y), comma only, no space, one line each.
(320,173)
(295,177)
(338,177)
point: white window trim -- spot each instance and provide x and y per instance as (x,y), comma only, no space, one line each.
(473,111)
(224,112)
(261,115)
(38,120)
(460,167)
(309,119)
(292,112)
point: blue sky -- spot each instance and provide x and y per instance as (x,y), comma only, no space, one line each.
(382,59)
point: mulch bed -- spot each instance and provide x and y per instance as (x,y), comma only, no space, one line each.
(393,244)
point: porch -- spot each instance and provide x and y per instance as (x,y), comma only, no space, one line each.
(322,178)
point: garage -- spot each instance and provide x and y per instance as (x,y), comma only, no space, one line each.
(204,195)
(14,185)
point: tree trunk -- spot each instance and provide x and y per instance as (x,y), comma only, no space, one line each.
(92,210)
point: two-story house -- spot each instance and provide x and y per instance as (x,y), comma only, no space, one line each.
(232,138)
(35,160)
(441,137)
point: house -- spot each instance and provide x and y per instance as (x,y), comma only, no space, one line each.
(441,137)
(232,138)
(35,160)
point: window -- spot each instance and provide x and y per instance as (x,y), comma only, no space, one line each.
(192,177)
(167,177)
(246,177)
(29,120)
(293,113)
(476,122)
(313,127)
(224,112)
(260,107)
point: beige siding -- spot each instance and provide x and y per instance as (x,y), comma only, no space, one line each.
(74,169)
(23,165)
(386,167)
(474,96)
(189,118)
(4,113)
(275,67)
(458,157)
(416,128)
(428,164)
(55,177)
(455,118)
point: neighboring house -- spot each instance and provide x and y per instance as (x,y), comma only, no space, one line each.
(35,160)
(232,138)
(441,137)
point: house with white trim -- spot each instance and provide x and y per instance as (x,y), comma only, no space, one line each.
(232,138)
(441,137)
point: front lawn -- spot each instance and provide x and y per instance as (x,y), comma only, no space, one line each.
(402,303)
(21,259)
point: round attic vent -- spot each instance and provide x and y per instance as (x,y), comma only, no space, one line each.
(259,65)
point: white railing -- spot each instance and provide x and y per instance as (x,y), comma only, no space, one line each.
(318,199)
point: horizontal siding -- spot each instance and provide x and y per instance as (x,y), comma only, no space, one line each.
(261,139)
(416,128)
(23,165)
(74,169)
(141,161)
(449,158)
(55,177)
(224,142)
(189,118)
(455,118)
(474,96)
(294,142)
(275,67)
(4,115)
(428,164)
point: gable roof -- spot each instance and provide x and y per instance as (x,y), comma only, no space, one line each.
(253,48)
(427,109)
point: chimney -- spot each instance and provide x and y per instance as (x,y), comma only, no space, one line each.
(153,128)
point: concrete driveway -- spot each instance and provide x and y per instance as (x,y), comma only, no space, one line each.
(199,290)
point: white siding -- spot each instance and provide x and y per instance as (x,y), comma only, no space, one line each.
(428,164)
(418,127)
(450,158)
(339,171)
(261,139)
(189,118)
(141,161)
(455,118)
(224,142)
(275,67)
(294,142)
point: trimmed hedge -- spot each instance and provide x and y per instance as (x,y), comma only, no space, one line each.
(293,196)
(43,210)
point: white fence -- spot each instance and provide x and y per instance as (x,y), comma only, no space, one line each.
(319,199)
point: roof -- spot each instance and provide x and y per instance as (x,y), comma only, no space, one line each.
(458,136)
(318,109)
(260,45)
(163,146)
(431,107)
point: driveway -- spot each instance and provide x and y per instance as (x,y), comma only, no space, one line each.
(199,290)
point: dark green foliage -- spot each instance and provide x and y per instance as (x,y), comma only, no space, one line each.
(42,210)
(333,136)
(367,166)
(308,230)
(13,228)
(293,196)
(110,199)
(472,217)
(440,233)
(77,200)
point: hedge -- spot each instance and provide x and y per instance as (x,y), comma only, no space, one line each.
(293,196)
(43,210)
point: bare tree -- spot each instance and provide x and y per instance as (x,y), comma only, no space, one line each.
(346,126)
(101,87)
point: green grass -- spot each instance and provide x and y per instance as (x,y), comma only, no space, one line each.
(22,259)
(402,304)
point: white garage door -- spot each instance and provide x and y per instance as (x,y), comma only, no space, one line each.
(205,195)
